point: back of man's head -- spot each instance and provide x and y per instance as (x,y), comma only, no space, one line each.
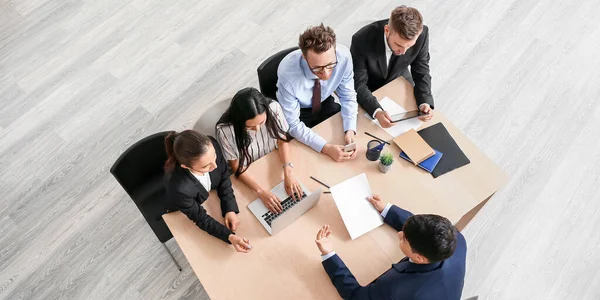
(406,22)
(431,236)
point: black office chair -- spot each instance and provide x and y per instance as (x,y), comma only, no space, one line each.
(139,170)
(267,73)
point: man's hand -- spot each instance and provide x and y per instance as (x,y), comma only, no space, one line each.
(377,203)
(384,119)
(426,109)
(349,138)
(240,244)
(231,221)
(336,152)
(322,240)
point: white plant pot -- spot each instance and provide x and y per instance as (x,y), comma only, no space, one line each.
(383,168)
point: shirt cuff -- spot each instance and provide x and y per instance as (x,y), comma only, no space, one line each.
(318,143)
(423,104)
(327,256)
(350,125)
(386,209)
(376,111)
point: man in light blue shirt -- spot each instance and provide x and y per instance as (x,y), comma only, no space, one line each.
(307,79)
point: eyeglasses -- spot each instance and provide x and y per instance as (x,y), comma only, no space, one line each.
(319,69)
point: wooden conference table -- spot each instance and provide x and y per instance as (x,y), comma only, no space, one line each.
(288,265)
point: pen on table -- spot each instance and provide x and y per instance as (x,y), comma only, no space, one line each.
(317,180)
(376,138)
(326,192)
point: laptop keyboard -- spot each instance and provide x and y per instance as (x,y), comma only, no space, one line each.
(286,204)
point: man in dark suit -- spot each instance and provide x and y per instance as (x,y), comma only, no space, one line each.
(434,267)
(382,51)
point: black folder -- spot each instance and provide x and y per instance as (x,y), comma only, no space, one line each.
(438,137)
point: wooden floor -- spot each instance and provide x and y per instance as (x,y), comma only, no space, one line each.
(81,80)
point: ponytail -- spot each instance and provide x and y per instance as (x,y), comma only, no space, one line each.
(184,148)
(171,160)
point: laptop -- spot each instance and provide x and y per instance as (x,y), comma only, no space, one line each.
(292,209)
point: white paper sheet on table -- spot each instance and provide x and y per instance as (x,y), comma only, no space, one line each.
(401,127)
(358,214)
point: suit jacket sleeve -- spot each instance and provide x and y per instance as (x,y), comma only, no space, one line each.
(420,73)
(195,212)
(224,189)
(347,285)
(396,217)
(364,96)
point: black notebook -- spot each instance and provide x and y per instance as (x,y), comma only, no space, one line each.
(438,137)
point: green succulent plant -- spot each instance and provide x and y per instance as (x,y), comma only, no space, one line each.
(386,159)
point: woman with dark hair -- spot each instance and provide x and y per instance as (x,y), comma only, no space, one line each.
(252,127)
(195,165)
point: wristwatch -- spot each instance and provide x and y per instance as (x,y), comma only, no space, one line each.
(288,164)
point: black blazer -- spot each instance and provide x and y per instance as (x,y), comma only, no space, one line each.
(185,193)
(370,66)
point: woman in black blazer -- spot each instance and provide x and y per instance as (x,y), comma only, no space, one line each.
(194,167)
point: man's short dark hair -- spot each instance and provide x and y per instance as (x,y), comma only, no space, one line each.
(432,236)
(406,21)
(317,38)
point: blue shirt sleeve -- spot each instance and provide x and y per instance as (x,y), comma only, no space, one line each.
(347,96)
(291,110)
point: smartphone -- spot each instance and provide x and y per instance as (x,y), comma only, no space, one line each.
(407,115)
(350,147)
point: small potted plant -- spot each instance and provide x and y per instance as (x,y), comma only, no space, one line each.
(385,162)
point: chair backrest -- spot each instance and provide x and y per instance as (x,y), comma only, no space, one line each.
(141,162)
(267,73)
(206,123)
(139,170)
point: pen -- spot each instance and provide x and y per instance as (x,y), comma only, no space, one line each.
(317,180)
(376,138)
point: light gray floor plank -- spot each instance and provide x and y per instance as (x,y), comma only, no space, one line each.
(80,81)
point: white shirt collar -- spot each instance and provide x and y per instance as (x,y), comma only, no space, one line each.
(388,51)
(203,179)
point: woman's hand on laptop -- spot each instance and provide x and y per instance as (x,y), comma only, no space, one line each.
(271,201)
(292,187)
(240,244)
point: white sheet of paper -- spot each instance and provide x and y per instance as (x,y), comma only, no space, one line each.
(358,214)
(401,127)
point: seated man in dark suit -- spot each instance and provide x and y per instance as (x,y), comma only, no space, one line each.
(434,266)
(382,51)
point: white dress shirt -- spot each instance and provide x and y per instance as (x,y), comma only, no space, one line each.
(388,52)
(204,180)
